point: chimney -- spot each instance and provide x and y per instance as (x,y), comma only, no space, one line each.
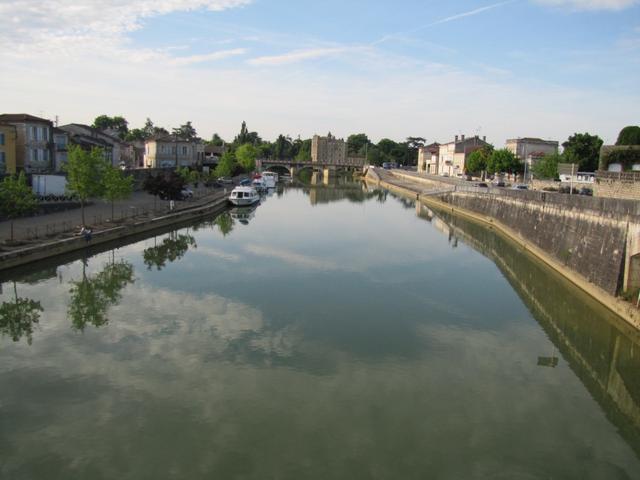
(462,139)
(456,138)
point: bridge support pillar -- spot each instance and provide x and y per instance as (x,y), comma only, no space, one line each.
(292,171)
(328,173)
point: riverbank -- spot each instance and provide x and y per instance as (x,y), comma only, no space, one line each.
(47,248)
(430,193)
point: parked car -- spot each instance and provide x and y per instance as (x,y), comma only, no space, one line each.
(586,191)
(500,184)
(445,174)
(481,185)
(225,181)
(186,193)
(521,187)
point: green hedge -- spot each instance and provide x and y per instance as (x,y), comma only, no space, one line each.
(626,157)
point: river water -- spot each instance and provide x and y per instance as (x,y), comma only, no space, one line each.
(334,332)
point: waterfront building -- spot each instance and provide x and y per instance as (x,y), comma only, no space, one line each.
(526,147)
(8,136)
(531,150)
(213,154)
(173,151)
(429,159)
(116,151)
(33,142)
(453,155)
(328,150)
(60,145)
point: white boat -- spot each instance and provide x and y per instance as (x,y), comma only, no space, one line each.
(270,179)
(241,196)
(259,184)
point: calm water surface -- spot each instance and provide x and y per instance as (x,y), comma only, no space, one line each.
(333,333)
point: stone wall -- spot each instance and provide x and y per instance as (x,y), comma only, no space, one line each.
(624,185)
(588,235)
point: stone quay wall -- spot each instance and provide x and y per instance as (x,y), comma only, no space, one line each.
(625,185)
(588,235)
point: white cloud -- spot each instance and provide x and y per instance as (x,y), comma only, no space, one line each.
(209,57)
(100,26)
(590,4)
(300,55)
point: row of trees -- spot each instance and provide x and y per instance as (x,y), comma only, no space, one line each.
(120,126)
(583,149)
(89,176)
(247,146)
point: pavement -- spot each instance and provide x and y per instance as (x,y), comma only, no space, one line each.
(97,215)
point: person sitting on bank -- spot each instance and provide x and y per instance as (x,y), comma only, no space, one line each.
(86,233)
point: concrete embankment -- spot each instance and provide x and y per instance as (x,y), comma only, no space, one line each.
(593,242)
(66,245)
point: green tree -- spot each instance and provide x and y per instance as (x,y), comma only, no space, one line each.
(629,136)
(186,131)
(304,151)
(16,198)
(503,160)
(117,123)
(216,140)
(246,157)
(583,149)
(357,144)
(282,148)
(479,159)
(18,317)
(227,165)
(85,174)
(547,166)
(116,185)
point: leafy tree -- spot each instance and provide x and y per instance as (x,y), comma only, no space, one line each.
(246,157)
(186,131)
(167,186)
(85,173)
(216,140)
(18,317)
(282,148)
(479,159)
(117,123)
(265,150)
(153,186)
(245,136)
(304,151)
(629,136)
(357,144)
(583,149)
(503,160)
(117,185)
(547,166)
(16,198)
(227,165)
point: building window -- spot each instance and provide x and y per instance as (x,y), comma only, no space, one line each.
(1,138)
(184,150)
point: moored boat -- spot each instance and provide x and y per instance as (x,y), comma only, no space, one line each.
(270,179)
(241,196)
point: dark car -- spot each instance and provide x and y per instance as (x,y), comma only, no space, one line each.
(481,185)
(586,191)
(501,184)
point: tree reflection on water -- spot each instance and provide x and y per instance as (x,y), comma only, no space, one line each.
(18,317)
(92,296)
(171,249)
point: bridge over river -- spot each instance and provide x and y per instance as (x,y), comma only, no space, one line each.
(328,168)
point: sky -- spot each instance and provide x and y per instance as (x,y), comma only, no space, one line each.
(429,68)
